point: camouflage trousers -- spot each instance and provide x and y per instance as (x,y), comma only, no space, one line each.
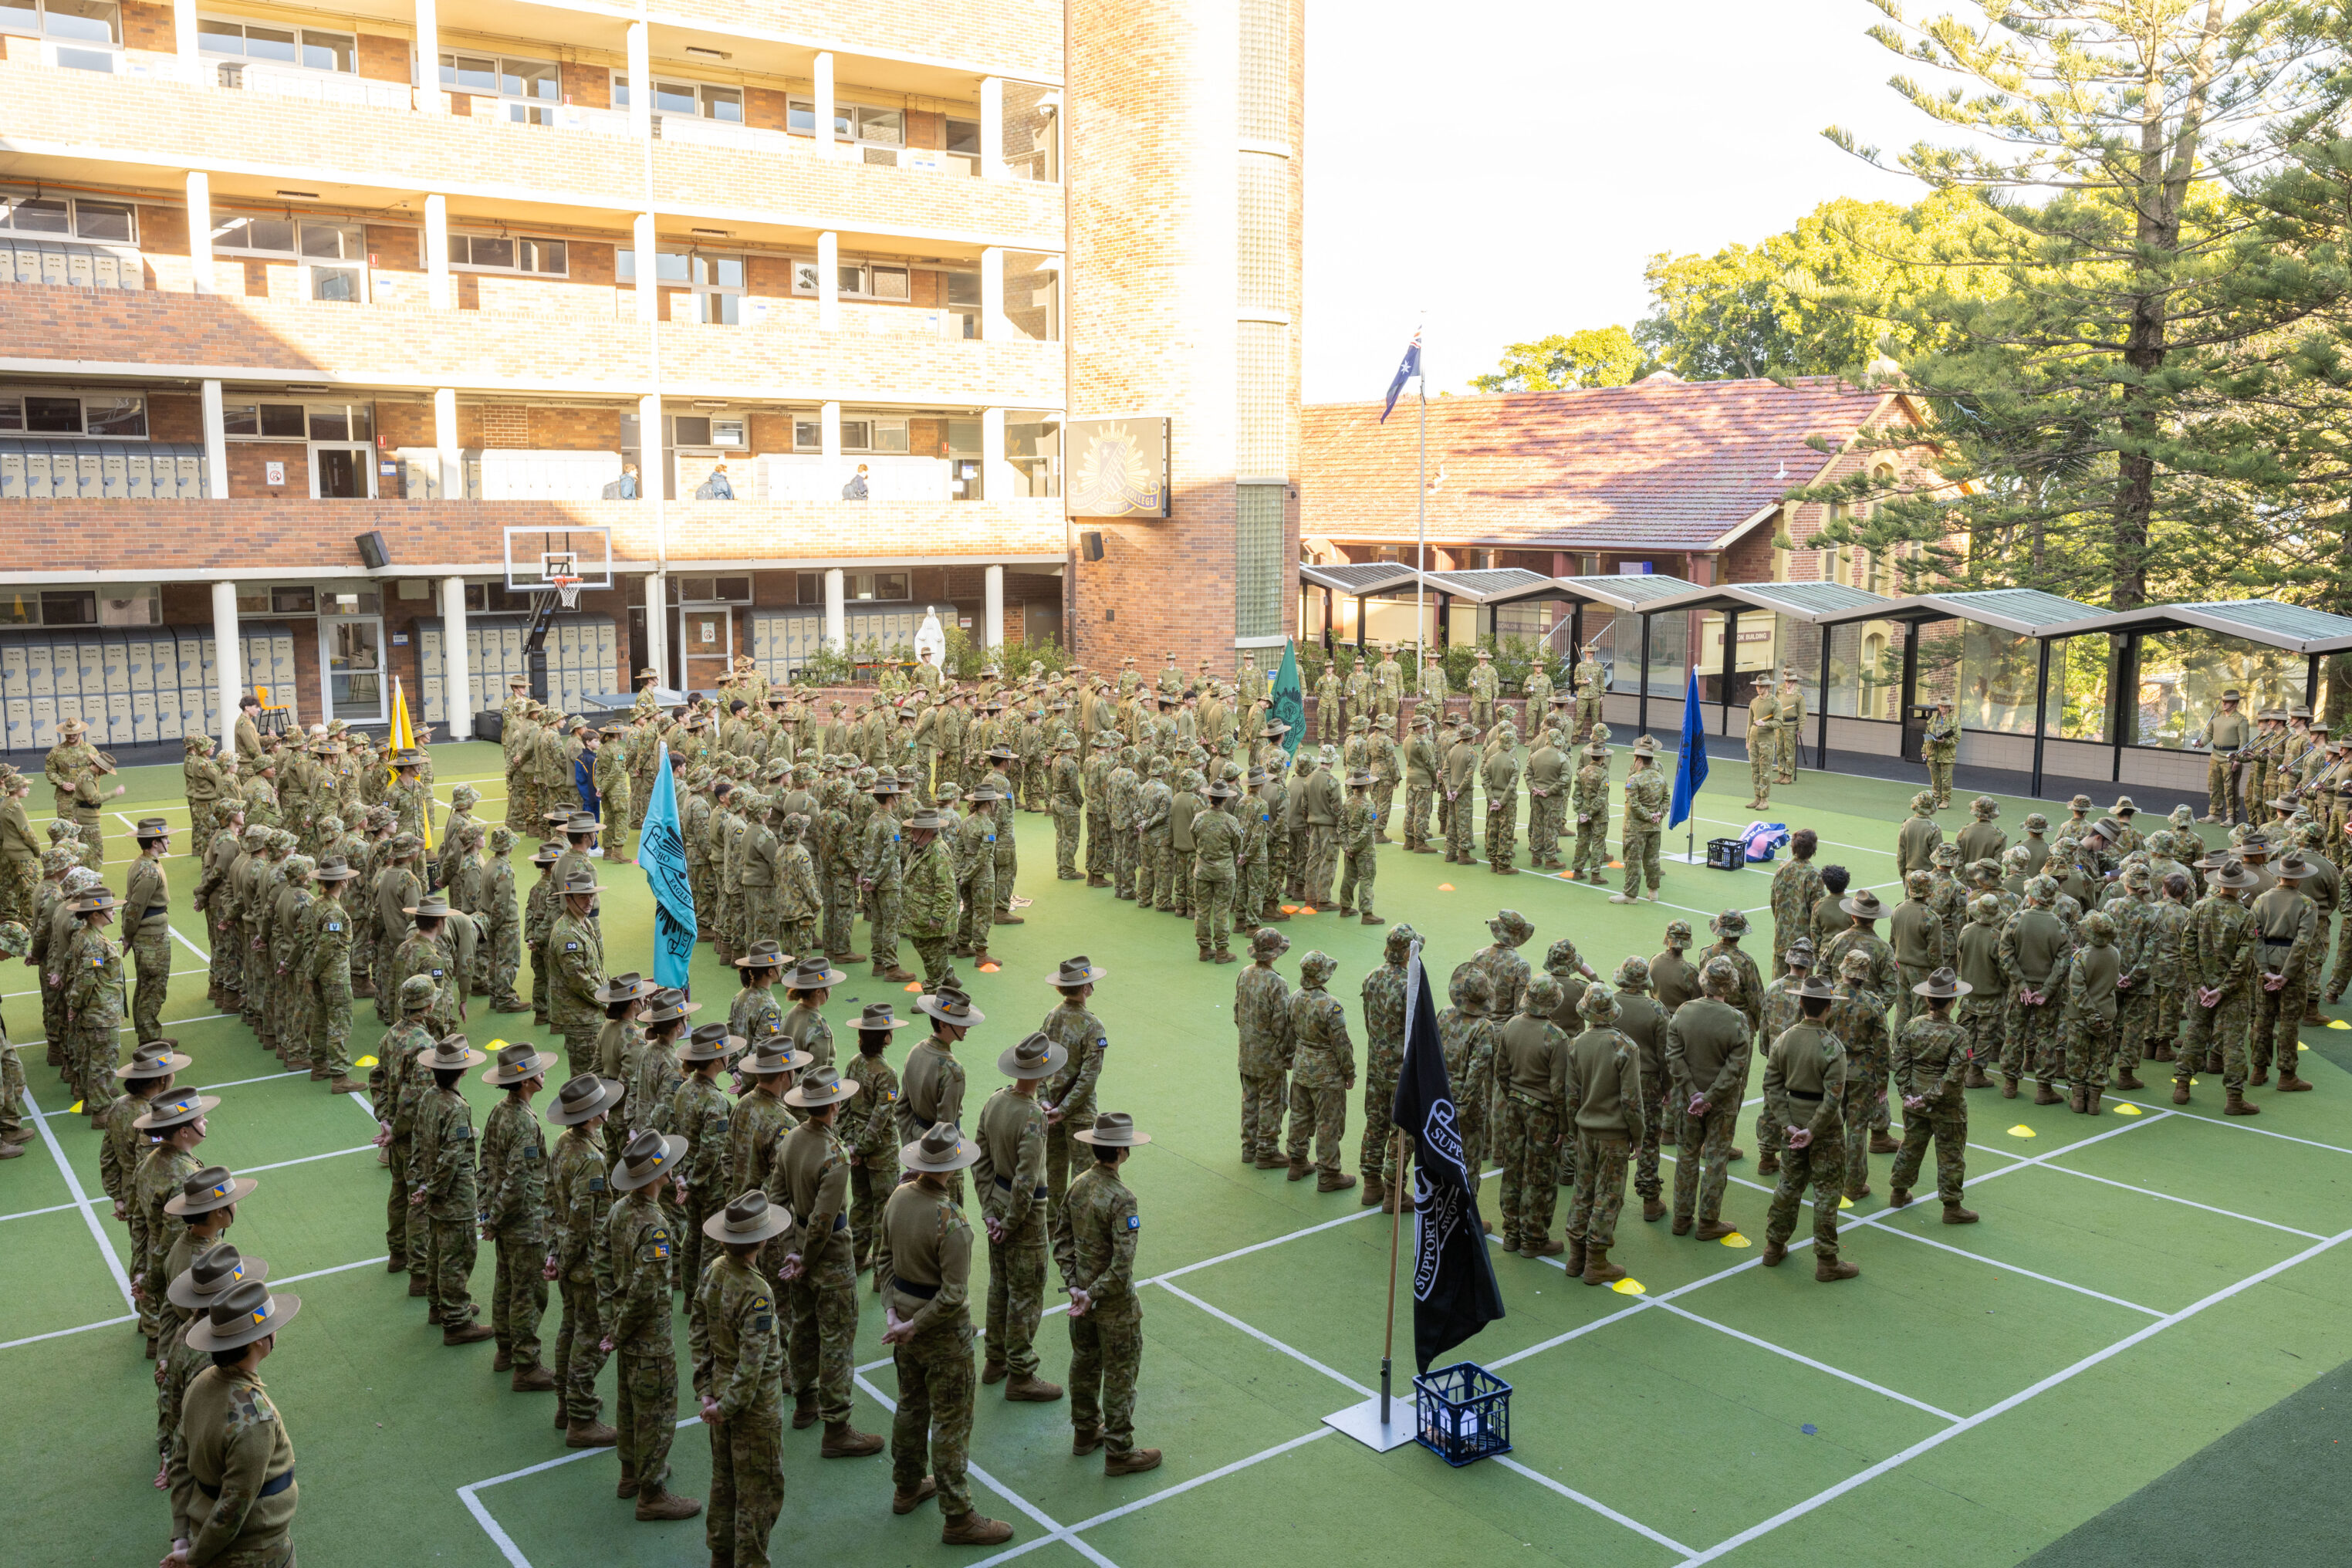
(694,1249)
(395,1208)
(979,894)
(933,952)
(518,1297)
(1126,861)
(1321,1115)
(2090,1052)
(451,1247)
(1250,897)
(1762,766)
(840,913)
(1098,843)
(1212,911)
(2221,796)
(615,837)
(2343,970)
(1502,830)
(1458,824)
(759,918)
(1588,714)
(1526,1139)
(1105,1358)
(2172,1003)
(2032,1047)
(1151,889)
(1416,815)
(1263,1099)
(12,1095)
(644,1410)
(1177,882)
(2136,1016)
(1590,860)
(1785,753)
(91,1042)
(2277,1024)
(747,1484)
(1945,1118)
(1600,1194)
(931,1432)
(330,1028)
(1982,1017)
(227,974)
(541,991)
(151,957)
(1703,1163)
(579,1044)
(1300,858)
(1016,1295)
(1544,814)
(1362,869)
(1906,1000)
(1655,1127)
(1375,1155)
(1007,868)
(822,1348)
(1482,712)
(1819,1165)
(869,1190)
(500,960)
(796,933)
(882,940)
(1640,854)
(1939,779)
(1065,839)
(1860,1103)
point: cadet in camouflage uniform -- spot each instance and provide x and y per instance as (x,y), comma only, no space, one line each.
(147,927)
(1095,1235)
(1068,804)
(1126,815)
(93,998)
(502,928)
(1261,1018)
(813,1174)
(1931,1064)
(1858,1020)
(1094,784)
(1356,843)
(634,1269)
(1529,1070)
(869,1128)
(701,1113)
(1647,796)
(739,1360)
(2091,1009)
(1010,1179)
(174,1121)
(1384,1004)
(575,961)
(578,1202)
(442,1162)
(325,952)
(16,941)
(1467,1037)
(2224,943)
(1589,862)
(1706,1048)
(1254,878)
(1781,1012)
(231,1472)
(1979,965)
(928,901)
(2290,927)
(1642,1019)
(1603,1100)
(1323,1068)
(2034,952)
(928,1324)
(512,1181)
(1422,767)
(1804,1081)
(975,851)
(1069,1097)
(1216,870)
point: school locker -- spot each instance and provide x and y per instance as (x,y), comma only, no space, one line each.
(138,474)
(16,722)
(117,717)
(68,671)
(113,471)
(37,476)
(510,640)
(476,693)
(192,475)
(92,469)
(196,712)
(142,718)
(12,477)
(282,663)
(70,707)
(44,722)
(142,664)
(429,642)
(13,679)
(194,667)
(171,723)
(114,664)
(608,646)
(40,669)
(567,646)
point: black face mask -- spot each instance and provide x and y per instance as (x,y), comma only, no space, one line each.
(596,909)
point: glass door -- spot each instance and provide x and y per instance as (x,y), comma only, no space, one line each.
(351,658)
(706,634)
(342,470)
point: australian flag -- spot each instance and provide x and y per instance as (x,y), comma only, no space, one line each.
(1407,368)
(1453,1293)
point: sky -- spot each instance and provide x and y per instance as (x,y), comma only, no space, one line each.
(1508,178)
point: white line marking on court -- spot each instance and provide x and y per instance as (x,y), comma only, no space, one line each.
(1602,1509)
(1859,1382)
(309,1159)
(1268,1340)
(29,1214)
(2014,1268)
(2234,1126)
(2192,1202)
(61,1333)
(81,1198)
(1933,1440)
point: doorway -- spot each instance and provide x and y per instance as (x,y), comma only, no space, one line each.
(351,661)
(706,640)
(342,470)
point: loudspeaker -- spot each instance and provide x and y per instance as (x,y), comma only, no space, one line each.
(1091,544)
(373,554)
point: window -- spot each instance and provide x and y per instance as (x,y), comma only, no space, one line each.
(883,585)
(277,600)
(307,48)
(1033,446)
(695,99)
(963,136)
(28,212)
(532,89)
(715,283)
(104,416)
(56,608)
(866,280)
(509,253)
(808,588)
(704,430)
(334,255)
(278,421)
(853,122)
(88,32)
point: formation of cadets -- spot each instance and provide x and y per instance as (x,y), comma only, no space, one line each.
(759,1170)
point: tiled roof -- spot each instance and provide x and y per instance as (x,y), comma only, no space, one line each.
(1662,464)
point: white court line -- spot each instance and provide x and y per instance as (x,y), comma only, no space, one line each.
(62,1333)
(208,1087)
(81,1198)
(20,995)
(2234,1125)
(1635,1525)
(2014,1268)
(29,1214)
(1265,1339)
(309,1159)
(1807,1360)
(2168,1197)
(2063,1374)
(1661,904)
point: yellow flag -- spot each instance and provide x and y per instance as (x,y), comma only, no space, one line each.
(404,739)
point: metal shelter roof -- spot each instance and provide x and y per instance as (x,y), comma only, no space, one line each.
(1623,591)
(2266,621)
(1359,578)
(2028,612)
(1501,586)
(1816,603)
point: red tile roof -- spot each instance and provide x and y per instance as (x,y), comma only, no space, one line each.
(1662,464)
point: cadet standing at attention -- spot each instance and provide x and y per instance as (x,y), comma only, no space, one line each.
(1647,797)
(147,927)
(1941,748)
(1531,1074)
(579,1199)
(1603,1100)
(811,1175)
(1010,1179)
(1804,1080)
(2226,733)
(1095,1233)
(1068,1100)
(738,1361)
(231,1467)
(1707,1060)
(1323,1069)
(1931,1061)
(634,1270)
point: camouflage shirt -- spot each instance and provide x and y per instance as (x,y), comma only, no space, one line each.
(1261,1018)
(1858,1019)
(578,1200)
(1747,992)
(634,1264)
(1467,1040)
(441,1164)
(1506,972)
(1072,1090)
(1324,1057)
(1095,1233)
(2223,941)
(513,1178)
(738,1355)
(1384,1023)
(869,1125)
(700,1112)
(1931,1060)
(1796,889)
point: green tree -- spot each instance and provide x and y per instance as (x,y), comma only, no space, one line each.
(1597,356)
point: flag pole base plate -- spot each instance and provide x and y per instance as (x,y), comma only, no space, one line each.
(1362,1422)
(1698,858)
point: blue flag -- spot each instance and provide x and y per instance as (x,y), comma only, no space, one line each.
(1286,702)
(1407,368)
(1690,767)
(662,851)
(1453,1291)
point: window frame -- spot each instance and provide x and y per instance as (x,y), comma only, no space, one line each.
(534,110)
(312,265)
(851,109)
(617,89)
(12,196)
(83,397)
(300,30)
(865,268)
(308,407)
(701,289)
(470,235)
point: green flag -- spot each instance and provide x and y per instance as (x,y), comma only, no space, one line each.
(1289,700)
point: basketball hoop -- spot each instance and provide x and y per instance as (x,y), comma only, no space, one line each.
(567,592)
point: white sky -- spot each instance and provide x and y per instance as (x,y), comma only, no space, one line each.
(1506,177)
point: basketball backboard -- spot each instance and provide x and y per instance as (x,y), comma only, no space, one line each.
(534,556)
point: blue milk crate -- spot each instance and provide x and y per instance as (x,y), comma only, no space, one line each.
(1463,1413)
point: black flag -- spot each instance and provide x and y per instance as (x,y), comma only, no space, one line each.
(1453,1293)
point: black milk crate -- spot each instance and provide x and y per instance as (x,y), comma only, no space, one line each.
(1463,1413)
(1727,854)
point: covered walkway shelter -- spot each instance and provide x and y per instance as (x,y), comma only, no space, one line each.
(1358,582)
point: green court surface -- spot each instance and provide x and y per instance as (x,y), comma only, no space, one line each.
(2144,1289)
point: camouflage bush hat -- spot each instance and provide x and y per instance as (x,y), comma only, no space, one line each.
(1679,934)
(81,879)
(1948,855)
(1543,996)
(1729,923)
(62,828)
(1916,883)
(2099,926)
(2016,857)
(59,858)
(2035,823)
(502,838)
(1985,907)
(1470,989)
(2042,890)
(1716,977)
(416,992)
(1510,927)
(1563,959)
(14,940)
(1268,942)
(1316,967)
(1984,808)
(2137,876)
(1854,966)
(1923,802)
(1599,1006)
(1633,974)
(1399,946)
(465,798)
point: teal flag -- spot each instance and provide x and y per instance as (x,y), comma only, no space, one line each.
(661,850)
(1289,700)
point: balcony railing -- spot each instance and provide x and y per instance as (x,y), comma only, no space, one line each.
(311,87)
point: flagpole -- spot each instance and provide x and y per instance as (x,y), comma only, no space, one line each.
(1396,1235)
(1420,546)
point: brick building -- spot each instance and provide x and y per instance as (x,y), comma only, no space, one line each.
(273,277)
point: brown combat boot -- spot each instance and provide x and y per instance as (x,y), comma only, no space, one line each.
(804,1410)
(532,1380)
(1775,1254)
(1682,1226)
(1398,1198)
(2075,1099)
(1716,1230)
(2161,1054)
(1375,1190)
(1547,1248)
(1654,1209)
(907,1503)
(2009,1087)
(1598,1269)
(2043,1094)
(843,1441)
(1828,1272)
(974,1528)
(2262,1076)
(2237,1105)
(626,1487)
(1134,1462)
(2128,1079)
(991,1372)
(343,1084)
(589,1434)
(1880,1143)
(1898,1197)
(416,1285)
(2180,1092)
(1334,1182)
(1224,955)
(471,1334)
(503,1360)
(1954,1215)
(2289,1083)
(1976,1078)
(1030,1389)
(1271,1162)
(654,1507)
(1084,1440)
(1300,1169)
(1768,1165)
(2092,1093)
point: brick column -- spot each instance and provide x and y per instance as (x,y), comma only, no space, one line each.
(200,227)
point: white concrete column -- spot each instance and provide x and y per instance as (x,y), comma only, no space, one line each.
(826,147)
(428,58)
(836,613)
(992,616)
(656,626)
(995,473)
(653,452)
(228,665)
(200,227)
(641,79)
(215,452)
(641,242)
(184,36)
(991,128)
(449,461)
(828,282)
(457,699)
(438,291)
(828,425)
(993,325)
